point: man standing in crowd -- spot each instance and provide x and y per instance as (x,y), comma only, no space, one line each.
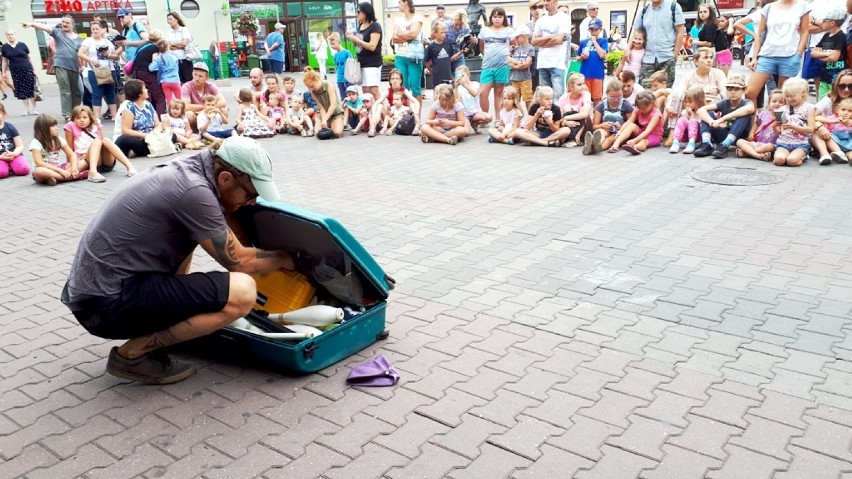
(592,10)
(135,33)
(148,297)
(275,46)
(536,7)
(552,37)
(441,13)
(663,21)
(65,62)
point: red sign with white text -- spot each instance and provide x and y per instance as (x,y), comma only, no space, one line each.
(729,4)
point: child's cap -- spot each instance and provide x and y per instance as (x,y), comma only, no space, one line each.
(736,80)
(352,89)
(834,13)
(522,30)
(595,23)
(366,96)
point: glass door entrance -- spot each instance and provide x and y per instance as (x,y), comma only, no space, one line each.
(297,54)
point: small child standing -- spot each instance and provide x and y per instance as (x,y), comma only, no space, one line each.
(796,126)
(592,54)
(177,121)
(251,122)
(166,66)
(11,149)
(439,55)
(299,122)
(644,129)
(763,136)
(277,112)
(46,148)
(340,57)
(521,58)
(831,49)
(509,118)
(688,126)
(632,58)
(90,146)
(352,106)
(213,122)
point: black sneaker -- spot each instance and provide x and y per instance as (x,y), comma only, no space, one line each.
(153,368)
(721,151)
(704,150)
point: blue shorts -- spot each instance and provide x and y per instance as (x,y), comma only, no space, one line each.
(786,67)
(495,75)
(221,133)
(811,67)
(806,147)
(543,133)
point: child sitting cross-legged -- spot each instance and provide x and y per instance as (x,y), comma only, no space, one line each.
(213,121)
(610,115)
(644,129)
(761,141)
(300,122)
(446,121)
(725,121)
(841,134)
(688,126)
(797,123)
(352,107)
(544,126)
(508,119)
(397,112)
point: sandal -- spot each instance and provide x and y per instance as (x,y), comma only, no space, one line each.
(766,156)
(453,140)
(372,133)
(554,143)
(741,154)
(424,138)
(631,149)
(613,149)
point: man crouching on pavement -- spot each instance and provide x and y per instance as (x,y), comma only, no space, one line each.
(129,277)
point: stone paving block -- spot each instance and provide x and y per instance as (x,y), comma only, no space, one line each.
(826,437)
(467,437)
(295,440)
(669,408)
(810,464)
(650,327)
(435,383)
(828,325)
(203,459)
(586,383)
(487,383)
(644,437)
(145,458)
(525,437)
(559,408)
(616,463)
(181,442)
(505,407)
(613,408)
(794,383)
(816,343)
(767,437)
(564,361)
(421,363)
(705,436)
(28,414)
(395,409)
(516,362)
(351,439)
(679,462)
(449,409)
(341,412)
(127,440)
(434,462)
(611,362)
(483,325)
(553,462)
(469,361)
(535,383)
(183,414)
(736,325)
(141,406)
(492,462)
(66,444)
(32,457)
(745,463)
(258,460)
(638,383)
(86,457)
(12,444)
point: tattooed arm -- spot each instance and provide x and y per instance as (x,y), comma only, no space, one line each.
(227,250)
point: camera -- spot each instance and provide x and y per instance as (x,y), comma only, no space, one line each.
(468,41)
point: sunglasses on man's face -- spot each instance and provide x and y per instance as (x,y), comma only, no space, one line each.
(539,7)
(595,9)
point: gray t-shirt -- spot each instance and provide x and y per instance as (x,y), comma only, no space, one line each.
(150,224)
(521,53)
(496,46)
(66,50)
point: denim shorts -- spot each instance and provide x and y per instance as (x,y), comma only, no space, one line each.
(495,75)
(806,147)
(786,67)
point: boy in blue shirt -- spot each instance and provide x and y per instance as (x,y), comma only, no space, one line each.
(340,57)
(592,56)
(352,106)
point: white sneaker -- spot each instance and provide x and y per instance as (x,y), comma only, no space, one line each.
(690,148)
(675,148)
(825,160)
(96,177)
(838,157)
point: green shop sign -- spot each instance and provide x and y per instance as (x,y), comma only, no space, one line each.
(315,9)
(260,10)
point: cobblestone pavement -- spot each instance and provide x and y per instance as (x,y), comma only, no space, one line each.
(555,316)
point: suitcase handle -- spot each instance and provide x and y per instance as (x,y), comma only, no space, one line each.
(308,350)
(390,281)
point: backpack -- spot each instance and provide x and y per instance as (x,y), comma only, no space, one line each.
(645,9)
(405,125)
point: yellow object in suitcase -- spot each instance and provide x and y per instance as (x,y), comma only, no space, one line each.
(285,291)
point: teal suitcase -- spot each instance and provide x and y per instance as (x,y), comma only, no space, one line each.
(279,226)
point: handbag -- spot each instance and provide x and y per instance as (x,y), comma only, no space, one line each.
(373,372)
(193,54)
(352,71)
(103,75)
(37,93)
(412,50)
(50,68)
(160,143)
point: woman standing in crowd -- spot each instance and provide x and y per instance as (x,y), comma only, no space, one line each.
(368,44)
(457,28)
(409,48)
(179,37)
(494,43)
(18,61)
(711,36)
(98,52)
(321,53)
(144,58)
(780,51)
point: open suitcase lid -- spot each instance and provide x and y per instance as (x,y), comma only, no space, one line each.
(281,226)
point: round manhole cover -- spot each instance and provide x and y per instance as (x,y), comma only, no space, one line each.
(737,177)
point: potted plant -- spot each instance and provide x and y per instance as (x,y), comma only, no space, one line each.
(246,24)
(612,60)
(388,62)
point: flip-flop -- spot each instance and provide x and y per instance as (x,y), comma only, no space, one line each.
(612,150)
(631,149)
